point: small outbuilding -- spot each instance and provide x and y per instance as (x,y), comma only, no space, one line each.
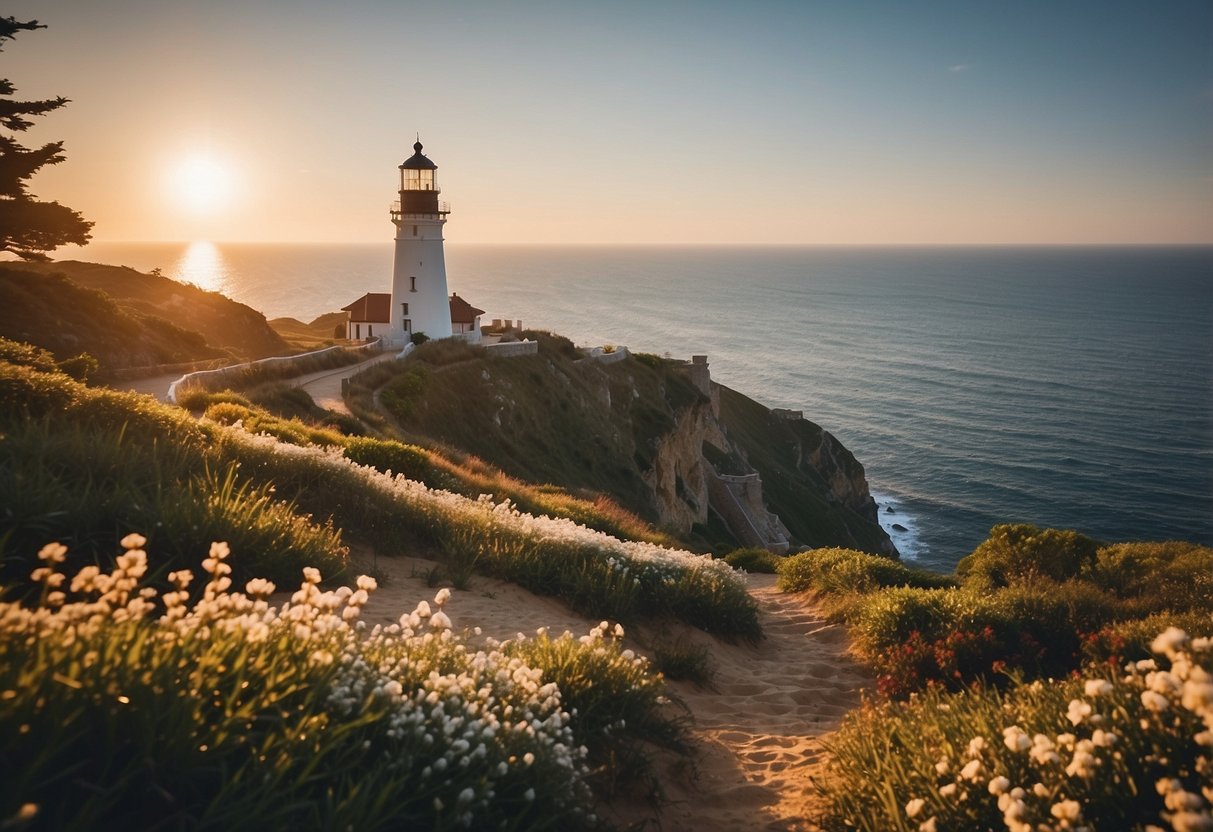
(465,319)
(374,309)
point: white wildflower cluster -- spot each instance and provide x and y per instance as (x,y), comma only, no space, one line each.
(1054,781)
(638,561)
(457,722)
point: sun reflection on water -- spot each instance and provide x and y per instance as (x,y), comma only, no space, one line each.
(203,265)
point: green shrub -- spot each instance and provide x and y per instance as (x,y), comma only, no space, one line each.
(400,395)
(753,559)
(838,571)
(1158,576)
(1025,553)
(81,367)
(197,398)
(389,455)
(683,660)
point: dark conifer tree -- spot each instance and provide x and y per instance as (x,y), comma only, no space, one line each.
(29,227)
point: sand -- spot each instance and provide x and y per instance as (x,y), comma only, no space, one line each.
(757,731)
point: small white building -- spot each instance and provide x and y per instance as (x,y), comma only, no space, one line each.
(370,312)
(465,319)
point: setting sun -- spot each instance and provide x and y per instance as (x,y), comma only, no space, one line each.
(201,183)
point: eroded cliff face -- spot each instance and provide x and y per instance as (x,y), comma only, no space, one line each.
(679,474)
(778,481)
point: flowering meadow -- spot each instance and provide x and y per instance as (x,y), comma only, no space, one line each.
(1127,749)
(86,465)
(205,707)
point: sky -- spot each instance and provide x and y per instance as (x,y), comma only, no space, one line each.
(630,122)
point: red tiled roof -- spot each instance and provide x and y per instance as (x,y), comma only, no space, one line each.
(463,312)
(373,307)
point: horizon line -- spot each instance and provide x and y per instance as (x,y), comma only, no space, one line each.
(682,244)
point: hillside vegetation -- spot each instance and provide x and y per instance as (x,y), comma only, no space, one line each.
(126,318)
(637,431)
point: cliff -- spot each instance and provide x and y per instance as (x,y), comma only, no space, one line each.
(657,436)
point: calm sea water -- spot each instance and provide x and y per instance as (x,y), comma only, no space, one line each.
(1067,386)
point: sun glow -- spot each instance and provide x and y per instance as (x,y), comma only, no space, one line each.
(203,265)
(201,183)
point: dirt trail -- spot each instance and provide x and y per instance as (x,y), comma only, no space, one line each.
(758,730)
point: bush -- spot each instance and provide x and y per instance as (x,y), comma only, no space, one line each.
(1158,576)
(1025,553)
(445,351)
(418,338)
(400,395)
(389,455)
(81,367)
(753,559)
(838,571)
(1126,752)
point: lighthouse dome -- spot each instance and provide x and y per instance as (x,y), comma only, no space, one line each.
(418,161)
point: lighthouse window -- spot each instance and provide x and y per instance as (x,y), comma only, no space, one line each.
(413,286)
(404,309)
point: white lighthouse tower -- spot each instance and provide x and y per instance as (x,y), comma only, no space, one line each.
(419,296)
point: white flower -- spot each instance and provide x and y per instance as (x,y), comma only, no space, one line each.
(1016,739)
(311,575)
(914,807)
(57,553)
(1078,711)
(976,746)
(972,770)
(367,583)
(1097,687)
(442,597)
(134,541)
(999,785)
(927,825)
(1066,810)
(948,790)
(1169,642)
(1155,701)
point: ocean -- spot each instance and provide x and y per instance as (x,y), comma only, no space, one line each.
(1062,386)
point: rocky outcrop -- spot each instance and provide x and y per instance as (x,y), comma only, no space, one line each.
(679,473)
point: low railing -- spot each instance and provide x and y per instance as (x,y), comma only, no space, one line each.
(197,378)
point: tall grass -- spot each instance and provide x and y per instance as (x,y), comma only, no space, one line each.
(121,707)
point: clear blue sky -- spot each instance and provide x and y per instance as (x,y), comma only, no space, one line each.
(795,122)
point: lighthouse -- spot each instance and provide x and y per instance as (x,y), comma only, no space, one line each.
(419,295)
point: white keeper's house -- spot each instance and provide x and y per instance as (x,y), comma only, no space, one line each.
(419,301)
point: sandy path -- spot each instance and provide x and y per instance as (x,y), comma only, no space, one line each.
(758,731)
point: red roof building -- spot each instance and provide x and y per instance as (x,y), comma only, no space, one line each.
(363,314)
